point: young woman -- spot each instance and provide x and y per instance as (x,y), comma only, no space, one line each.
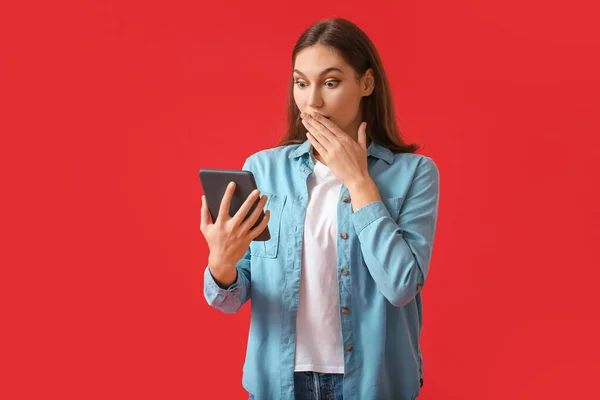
(336,292)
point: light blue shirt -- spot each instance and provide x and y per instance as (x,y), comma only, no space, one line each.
(384,249)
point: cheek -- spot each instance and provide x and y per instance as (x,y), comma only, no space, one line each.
(344,106)
(343,99)
(299,99)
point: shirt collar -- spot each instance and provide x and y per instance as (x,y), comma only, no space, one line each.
(374,150)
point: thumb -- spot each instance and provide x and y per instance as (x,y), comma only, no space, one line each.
(362,135)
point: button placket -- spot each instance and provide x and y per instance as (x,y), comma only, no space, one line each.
(345,311)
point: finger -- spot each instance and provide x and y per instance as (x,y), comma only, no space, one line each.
(322,145)
(243,211)
(249,223)
(362,135)
(319,131)
(322,150)
(204,215)
(226,202)
(331,127)
(261,227)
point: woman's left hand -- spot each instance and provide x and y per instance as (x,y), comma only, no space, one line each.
(346,158)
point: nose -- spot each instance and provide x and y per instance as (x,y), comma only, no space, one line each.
(315,101)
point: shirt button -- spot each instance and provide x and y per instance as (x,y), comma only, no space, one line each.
(344,235)
(344,271)
(346,310)
(349,347)
(345,199)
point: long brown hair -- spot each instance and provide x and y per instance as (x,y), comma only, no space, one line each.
(355,47)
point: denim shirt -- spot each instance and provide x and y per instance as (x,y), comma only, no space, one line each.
(384,249)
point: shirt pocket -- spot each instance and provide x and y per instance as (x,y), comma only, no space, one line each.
(393,205)
(269,248)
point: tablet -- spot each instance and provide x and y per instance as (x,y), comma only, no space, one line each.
(215,181)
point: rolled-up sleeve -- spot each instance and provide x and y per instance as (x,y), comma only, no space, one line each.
(230,299)
(397,253)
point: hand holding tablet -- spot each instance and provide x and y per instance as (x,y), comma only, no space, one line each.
(228,237)
(215,184)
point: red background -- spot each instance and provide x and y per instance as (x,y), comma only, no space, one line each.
(109,109)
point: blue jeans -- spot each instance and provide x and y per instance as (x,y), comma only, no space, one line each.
(316,386)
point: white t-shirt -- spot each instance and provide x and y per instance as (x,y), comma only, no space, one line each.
(318,324)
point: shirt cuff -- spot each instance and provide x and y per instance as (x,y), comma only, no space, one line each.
(211,283)
(366,215)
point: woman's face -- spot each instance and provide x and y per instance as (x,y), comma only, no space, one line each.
(324,82)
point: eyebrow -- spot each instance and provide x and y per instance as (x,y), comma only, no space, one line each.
(325,71)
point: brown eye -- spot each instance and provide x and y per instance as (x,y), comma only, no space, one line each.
(334,81)
(297,83)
